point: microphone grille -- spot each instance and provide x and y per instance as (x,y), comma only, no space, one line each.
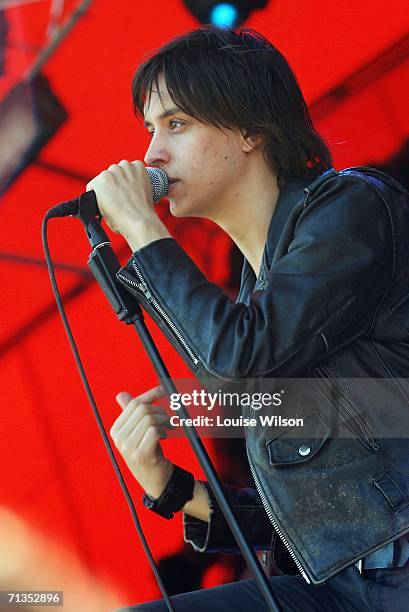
(159,182)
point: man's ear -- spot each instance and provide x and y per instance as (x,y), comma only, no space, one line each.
(251,141)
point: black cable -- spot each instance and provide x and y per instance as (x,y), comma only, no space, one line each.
(104,266)
(97,414)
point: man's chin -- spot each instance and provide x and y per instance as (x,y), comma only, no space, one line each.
(176,210)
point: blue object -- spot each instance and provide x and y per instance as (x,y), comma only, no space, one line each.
(224,14)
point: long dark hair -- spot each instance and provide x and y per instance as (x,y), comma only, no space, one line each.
(238,79)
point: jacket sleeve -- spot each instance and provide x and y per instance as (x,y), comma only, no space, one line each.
(331,269)
(215,535)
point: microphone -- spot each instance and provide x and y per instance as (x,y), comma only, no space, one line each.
(159,182)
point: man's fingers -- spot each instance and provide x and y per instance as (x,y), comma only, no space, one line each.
(149,445)
(136,435)
(124,426)
(123,398)
(130,405)
(150,396)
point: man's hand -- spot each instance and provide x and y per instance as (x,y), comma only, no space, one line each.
(124,196)
(136,434)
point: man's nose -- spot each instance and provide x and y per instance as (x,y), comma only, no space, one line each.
(157,152)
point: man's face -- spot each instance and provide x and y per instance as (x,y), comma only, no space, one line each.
(205,165)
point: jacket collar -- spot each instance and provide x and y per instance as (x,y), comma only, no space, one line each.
(290,195)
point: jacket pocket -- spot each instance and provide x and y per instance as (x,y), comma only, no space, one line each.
(334,394)
(298,444)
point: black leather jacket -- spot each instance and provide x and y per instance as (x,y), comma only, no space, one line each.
(330,305)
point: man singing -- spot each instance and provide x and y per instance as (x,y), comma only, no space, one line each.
(324,297)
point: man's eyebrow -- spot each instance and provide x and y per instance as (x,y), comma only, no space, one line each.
(166,113)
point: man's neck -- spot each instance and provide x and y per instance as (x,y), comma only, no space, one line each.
(248,218)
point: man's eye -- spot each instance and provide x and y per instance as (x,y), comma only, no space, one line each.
(175,123)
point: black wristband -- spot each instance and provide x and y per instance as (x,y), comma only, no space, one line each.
(177,492)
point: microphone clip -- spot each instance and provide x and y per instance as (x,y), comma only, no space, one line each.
(103,262)
(91,218)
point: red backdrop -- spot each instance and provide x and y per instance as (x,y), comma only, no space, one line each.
(54,470)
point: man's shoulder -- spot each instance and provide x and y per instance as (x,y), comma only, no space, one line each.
(356,178)
(361,194)
(333,204)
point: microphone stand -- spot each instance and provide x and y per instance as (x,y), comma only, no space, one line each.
(104,266)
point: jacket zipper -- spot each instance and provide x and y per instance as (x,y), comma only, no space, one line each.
(142,286)
(364,431)
(273,522)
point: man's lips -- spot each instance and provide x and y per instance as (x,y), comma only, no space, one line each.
(172,183)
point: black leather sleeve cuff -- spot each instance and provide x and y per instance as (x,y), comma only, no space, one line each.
(215,536)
